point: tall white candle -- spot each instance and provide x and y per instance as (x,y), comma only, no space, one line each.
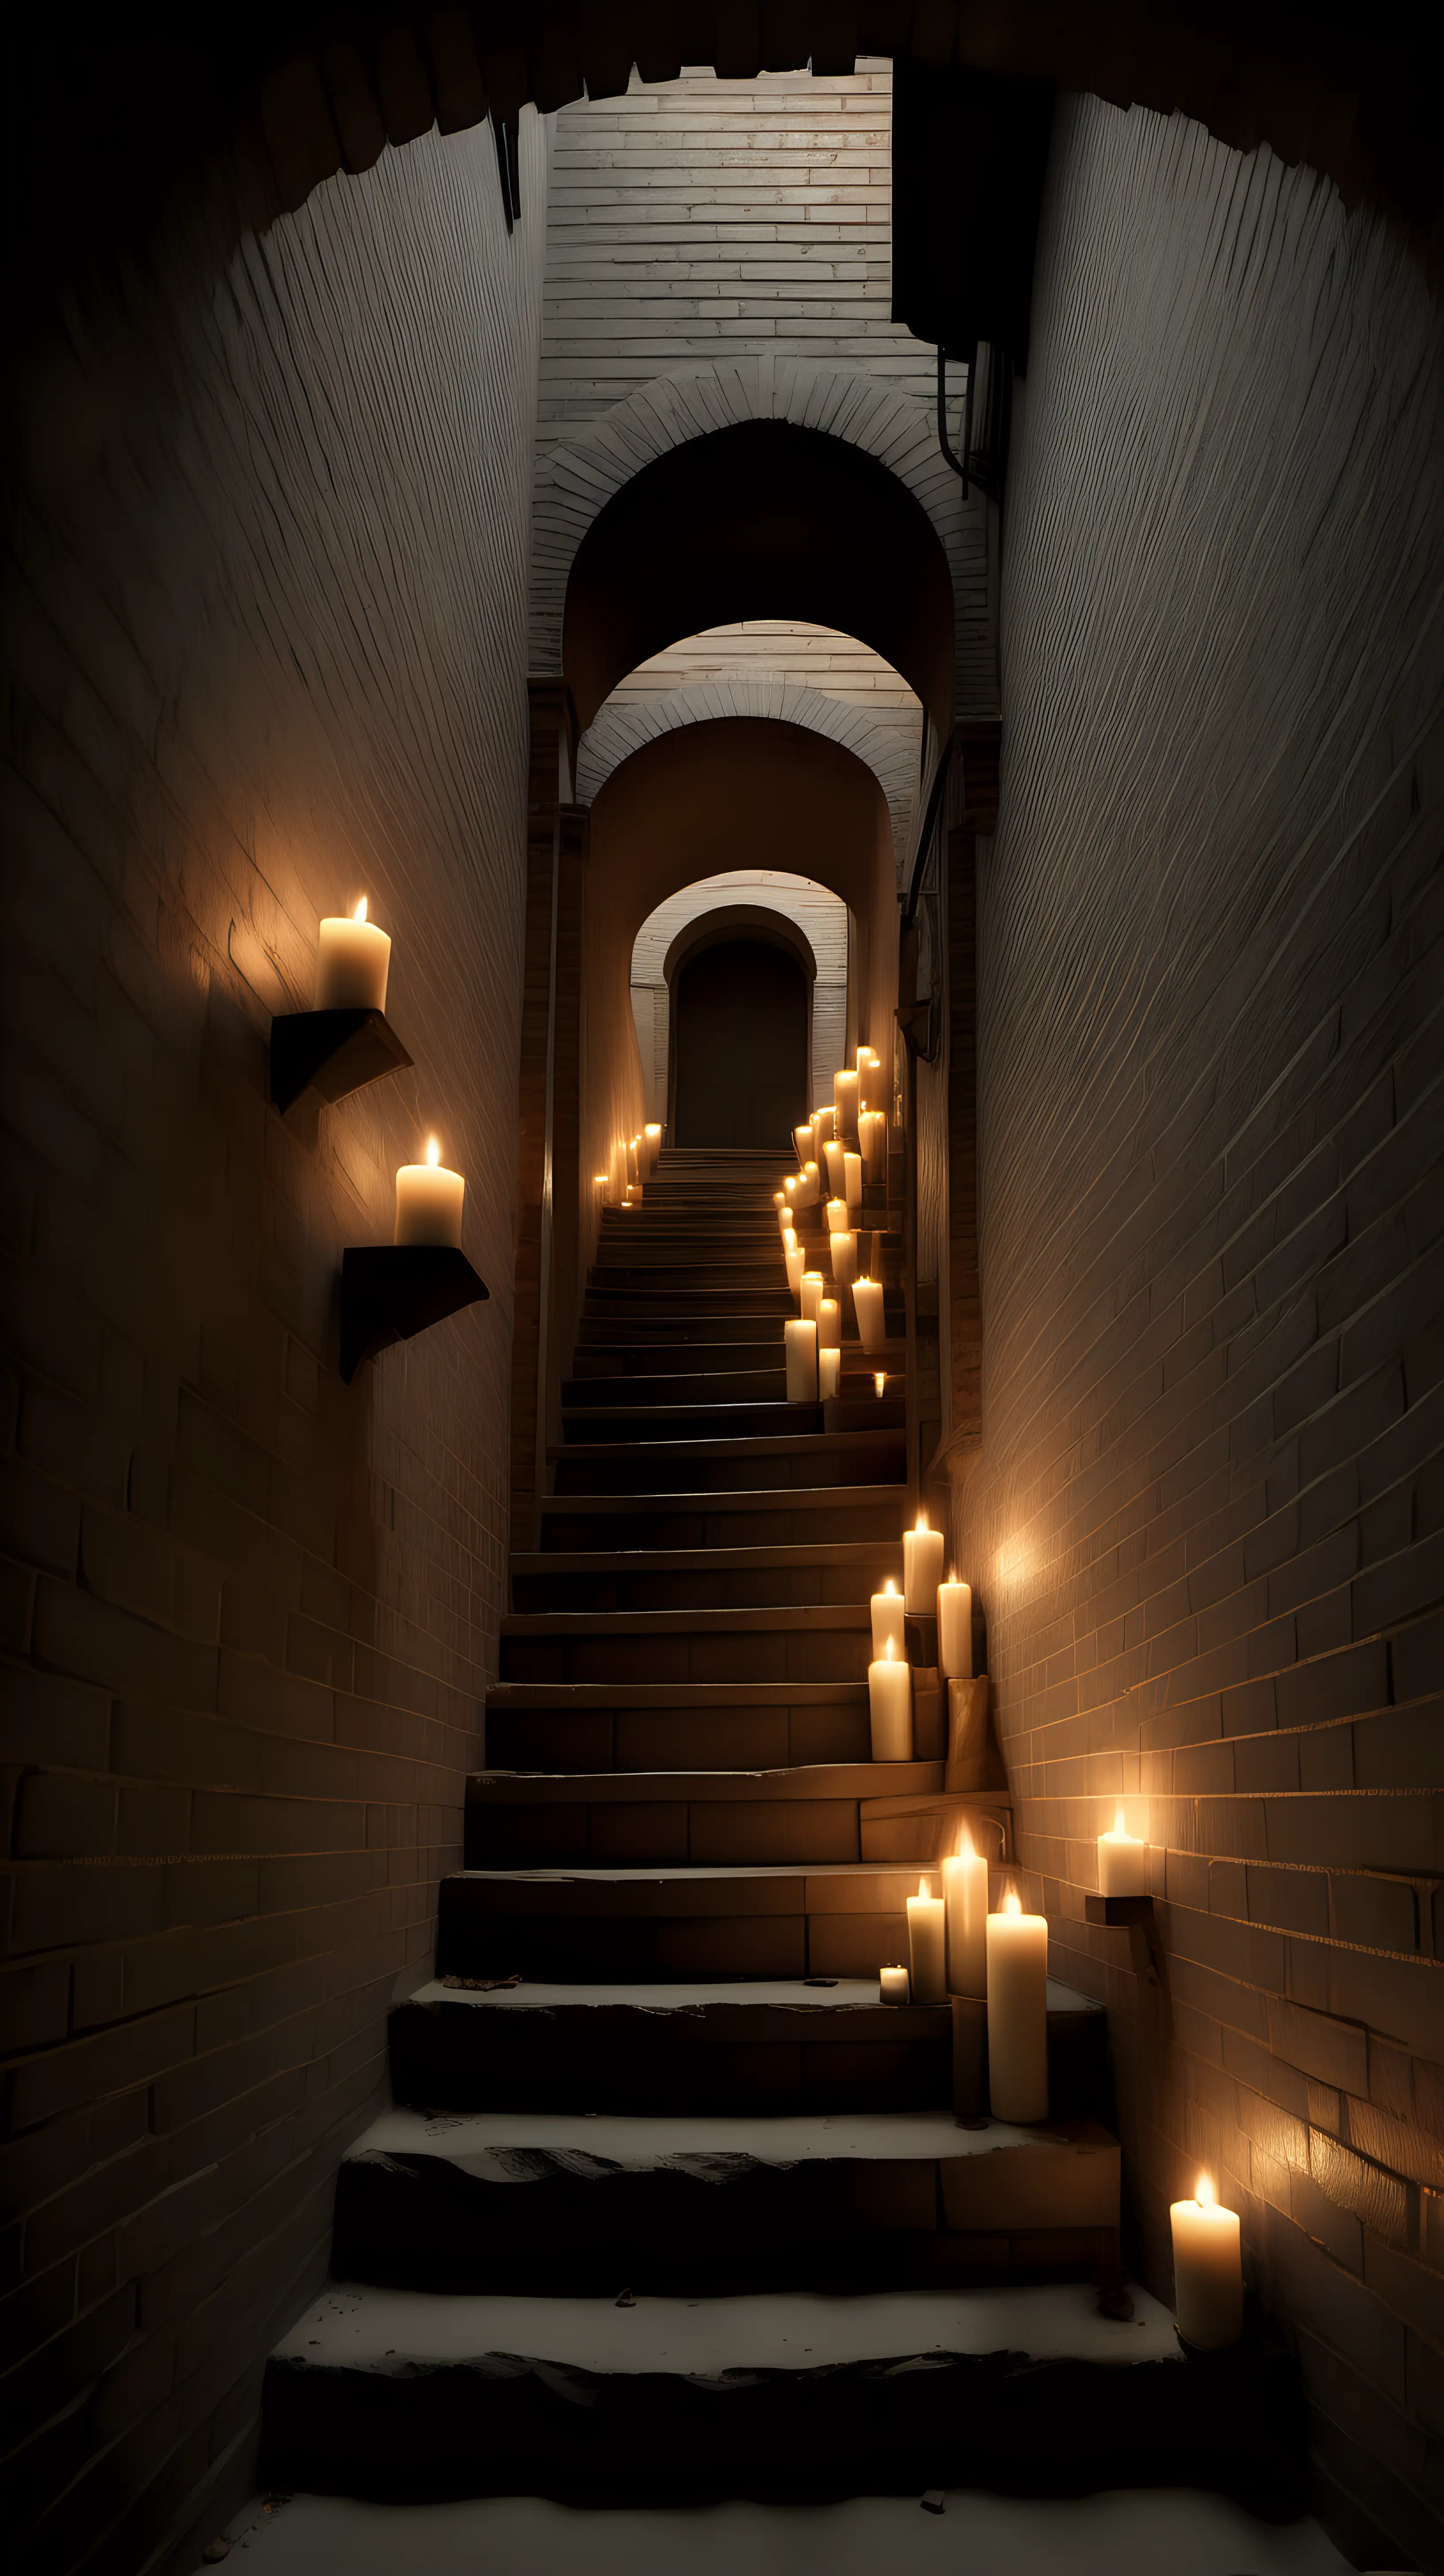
(955,1630)
(802,1138)
(852,1179)
(1017,2013)
(429,1200)
(799,1337)
(353,961)
(892,1985)
(922,1567)
(879,1382)
(844,1258)
(1207,2270)
(794,1259)
(653,1136)
(965,1894)
(836,1159)
(835,1216)
(634,1165)
(868,1308)
(887,1619)
(927,1946)
(829,1324)
(872,1137)
(812,1284)
(829,1373)
(844,1101)
(890,1706)
(1122,1860)
(805,1193)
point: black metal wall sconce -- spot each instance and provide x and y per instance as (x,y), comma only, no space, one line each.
(390,1291)
(332,1053)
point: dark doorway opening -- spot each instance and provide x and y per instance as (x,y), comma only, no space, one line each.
(739,1051)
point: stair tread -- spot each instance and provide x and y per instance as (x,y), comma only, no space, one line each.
(644,2142)
(752,1619)
(752,1444)
(703,1695)
(795,1780)
(738,1498)
(695,1560)
(386,2332)
(758,2000)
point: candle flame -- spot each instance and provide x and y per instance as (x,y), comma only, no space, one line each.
(890,1586)
(925,1887)
(922,1520)
(599,1176)
(360,912)
(1205,2195)
(433,1152)
(966,1848)
(1012,1902)
(880,1379)
(1119,1826)
(653,1128)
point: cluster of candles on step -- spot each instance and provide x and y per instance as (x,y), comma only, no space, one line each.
(848,1141)
(637,1158)
(353,969)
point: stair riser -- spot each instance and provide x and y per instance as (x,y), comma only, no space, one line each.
(1062,2428)
(580,1950)
(641,1333)
(659,1739)
(766,1385)
(651,1521)
(709,1832)
(824,1655)
(848,2226)
(623,1417)
(760,1587)
(613,1360)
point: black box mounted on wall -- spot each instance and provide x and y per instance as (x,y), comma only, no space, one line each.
(969,155)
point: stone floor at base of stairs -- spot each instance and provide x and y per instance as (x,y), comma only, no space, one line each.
(1177,2530)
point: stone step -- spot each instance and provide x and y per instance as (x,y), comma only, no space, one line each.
(406,2394)
(703,1578)
(803,1812)
(784,1515)
(680,1299)
(810,1641)
(801,1446)
(630,1727)
(627,1360)
(761,1387)
(623,1331)
(758,2047)
(608,1926)
(543,2201)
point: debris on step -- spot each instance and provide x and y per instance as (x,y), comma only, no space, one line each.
(626,2300)
(481,1985)
(934,2501)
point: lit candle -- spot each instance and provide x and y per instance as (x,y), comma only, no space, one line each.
(965,1894)
(799,1337)
(893,1986)
(844,1101)
(887,1619)
(836,1160)
(803,1140)
(653,1135)
(890,1706)
(829,1373)
(821,1127)
(955,1630)
(852,1177)
(835,1216)
(805,1192)
(633,1159)
(872,1137)
(829,1324)
(429,1200)
(793,1255)
(867,1306)
(601,1183)
(784,1216)
(811,1294)
(353,960)
(844,1258)
(1207,2270)
(927,1946)
(879,1379)
(922,1567)
(1122,1860)
(1017,2013)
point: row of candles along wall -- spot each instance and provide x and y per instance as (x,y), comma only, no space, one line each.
(813,1340)
(639,1160)
(353,968)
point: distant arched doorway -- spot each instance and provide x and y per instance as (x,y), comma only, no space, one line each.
(739,1051)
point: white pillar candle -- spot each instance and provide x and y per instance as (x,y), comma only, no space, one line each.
(922,1568)
(965,1894)
(429,1200)
(835,1216)
(893,1986)
(601,1183)
(955,1630)
(844,1258)
(887,1619)
(805,1193)
(844,1101)
(890,1706)
(829,1324)
(653,1135)
(353,961)
(1017,2013)
(829,1373)
(811,1294)
(867,1306)
(794,1259)
(1122,1862)
(879,1381)
(799,1338)
(784,1218)
(872,1136)
(821,1128)
(802,1139)
(836,1161)
(1207,2270)
(852,1179)
(927,1946)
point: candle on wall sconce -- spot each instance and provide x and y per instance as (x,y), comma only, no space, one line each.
(1122,1860)
(955,1630)
(829,1372)
(353,962)
(887,1619)
(1207,2269)
(927,1946)
(868,1308)
(429,1200)
(922,1567)
(799,1338)
(890,1706)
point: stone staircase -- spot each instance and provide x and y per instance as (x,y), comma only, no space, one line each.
(685,2211)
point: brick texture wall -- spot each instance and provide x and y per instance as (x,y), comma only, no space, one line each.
(265,620)
(1207,1517)
(820,916)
